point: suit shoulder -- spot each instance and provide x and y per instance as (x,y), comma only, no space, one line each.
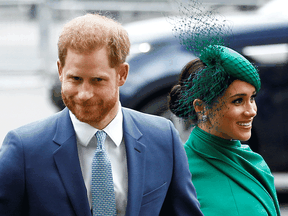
(147,119)
(38,128)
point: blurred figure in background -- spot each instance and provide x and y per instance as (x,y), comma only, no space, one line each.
(95,156)
(217,93)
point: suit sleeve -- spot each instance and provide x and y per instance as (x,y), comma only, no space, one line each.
(181,198)
(12,175)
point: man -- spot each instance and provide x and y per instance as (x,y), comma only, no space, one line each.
(48,167)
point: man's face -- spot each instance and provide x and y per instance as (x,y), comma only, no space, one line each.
(90,87)
(232,116)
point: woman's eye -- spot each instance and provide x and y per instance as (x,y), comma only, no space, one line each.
(253,97)
(238,101)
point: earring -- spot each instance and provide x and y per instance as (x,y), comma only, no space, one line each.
(204,118)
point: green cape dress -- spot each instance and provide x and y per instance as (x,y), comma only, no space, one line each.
(230,179)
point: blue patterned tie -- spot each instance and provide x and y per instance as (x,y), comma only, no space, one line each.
(102,188)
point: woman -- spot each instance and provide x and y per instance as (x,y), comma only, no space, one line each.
(217,93)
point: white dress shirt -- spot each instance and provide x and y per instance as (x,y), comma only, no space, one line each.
(115,146)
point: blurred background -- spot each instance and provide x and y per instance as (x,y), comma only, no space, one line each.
(30,89)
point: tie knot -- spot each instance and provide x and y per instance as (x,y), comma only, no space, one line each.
(100,136)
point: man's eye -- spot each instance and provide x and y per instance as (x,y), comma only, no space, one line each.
(98,79)
(76,78)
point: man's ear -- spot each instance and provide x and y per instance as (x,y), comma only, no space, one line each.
(60,70)
(122,73)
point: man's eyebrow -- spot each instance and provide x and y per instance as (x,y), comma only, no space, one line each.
(69,74)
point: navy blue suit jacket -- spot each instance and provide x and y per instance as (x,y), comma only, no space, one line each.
(40,173)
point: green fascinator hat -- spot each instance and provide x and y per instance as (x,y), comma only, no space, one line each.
(221,65)
(232,63)
(206,34)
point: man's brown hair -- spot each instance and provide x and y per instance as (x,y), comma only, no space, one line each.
(86,33)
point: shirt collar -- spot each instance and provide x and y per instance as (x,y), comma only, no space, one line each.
(85,132)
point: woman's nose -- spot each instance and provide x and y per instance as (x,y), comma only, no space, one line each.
(251,110)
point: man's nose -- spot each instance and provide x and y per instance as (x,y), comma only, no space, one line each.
(85,92)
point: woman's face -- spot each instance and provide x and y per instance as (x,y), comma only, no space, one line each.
(232,115)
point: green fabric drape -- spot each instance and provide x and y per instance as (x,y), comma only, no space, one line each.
(230,179)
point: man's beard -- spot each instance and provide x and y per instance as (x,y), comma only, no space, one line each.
(89,112)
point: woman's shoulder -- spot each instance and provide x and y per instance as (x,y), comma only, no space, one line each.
(199,166)
(194,159)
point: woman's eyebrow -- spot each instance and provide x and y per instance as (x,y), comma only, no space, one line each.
(237,95)
(242,94)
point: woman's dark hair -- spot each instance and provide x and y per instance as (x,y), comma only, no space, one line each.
(181,97)
(175,95)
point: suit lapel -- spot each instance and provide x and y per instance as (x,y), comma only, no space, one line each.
(67,162)
(135,151)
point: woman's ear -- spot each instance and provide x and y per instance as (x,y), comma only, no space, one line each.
(198,106)
(201,110)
